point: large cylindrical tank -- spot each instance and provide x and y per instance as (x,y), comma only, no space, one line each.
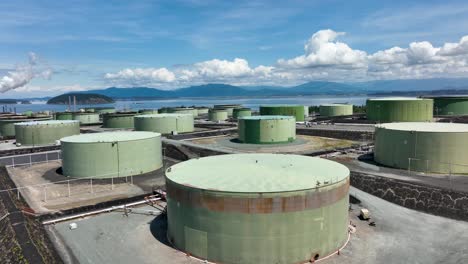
(202,110)
(104,110)
(336,109)
(285,110)
(241,112)
(216,115)
(306,111)
(228,107)
(450,105)
(420,146)
(86,118)
(147,111)
(111,154)
(267,129)
(63,115)
(119,120)
(38,133)
(184,110)
(264,208)
(396,109)
(165,123)
(7,123)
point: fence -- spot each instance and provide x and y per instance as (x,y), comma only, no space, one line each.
(30,159)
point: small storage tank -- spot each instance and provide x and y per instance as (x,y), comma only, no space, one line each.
(241,112)
(89,110)
(119,120)
(450,105)
(267,129)
(258,208)
(63,116)
(104,110)
(228,107)
(184,110)
(420,146)
(36,133)
(202,110)
(147,111)
(7,123)
(111,154)
(285,110)
(331,110)
(399,109)
(86,118)
(306,111)
(165,123)
(216,115)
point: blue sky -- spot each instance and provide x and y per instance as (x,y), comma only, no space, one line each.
(79,45)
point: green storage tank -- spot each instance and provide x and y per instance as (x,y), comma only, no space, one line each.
(202,110)
(284,110)
(111,154)
(419,146)
(89,110)
(104,110)
(258,208)
(89,118)
(63,116)
(147,111)
(241,112)
(7,124)
(119,120)
(217,115)
(450,105)
(267,129)
(331,110)
(165,123)
(399,109)
(306,111)
(228,107)
(184,110)
(36,133)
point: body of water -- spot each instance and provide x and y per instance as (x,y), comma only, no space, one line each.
(253,103)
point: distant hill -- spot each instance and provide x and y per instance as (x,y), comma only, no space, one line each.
(81,98)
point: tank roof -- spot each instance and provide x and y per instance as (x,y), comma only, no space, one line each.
(272,117)
(425,127)
(164,115)
(110,137)
(247,173)
(396,99)
(47,122)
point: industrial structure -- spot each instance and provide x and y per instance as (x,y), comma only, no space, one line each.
(306,111)
(330,110)
(7,123)
(217,115)
(267,129)
(266,208)
(148,111)
(165,123)
(104,110)
(399,109)
(228,107)
(118,120)
(451,105)
(241,112)
(86,118)
(420,146)
(36,133)
(201,110)
(111,154)
(284,110)
(184,110)
(63,116)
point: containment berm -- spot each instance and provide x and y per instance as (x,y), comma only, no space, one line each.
(111,154)
(258,208)
(267,129)
(426,147)
(38,133)
(165,123)
(399,109)
(285,110)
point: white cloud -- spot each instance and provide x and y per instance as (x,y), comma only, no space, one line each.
(324,58)
(22,75)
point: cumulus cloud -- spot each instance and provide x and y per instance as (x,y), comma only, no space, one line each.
(24,74)
(324,58)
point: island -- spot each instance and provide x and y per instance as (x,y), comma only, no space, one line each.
(81,99)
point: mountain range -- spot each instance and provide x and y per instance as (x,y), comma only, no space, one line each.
(399,87)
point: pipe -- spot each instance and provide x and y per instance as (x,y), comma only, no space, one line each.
(100,211)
